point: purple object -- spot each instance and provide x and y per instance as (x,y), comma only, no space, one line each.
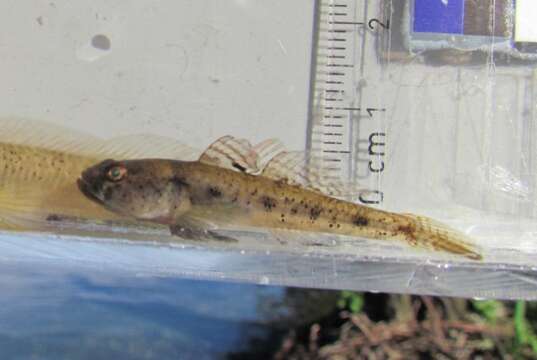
(439,16)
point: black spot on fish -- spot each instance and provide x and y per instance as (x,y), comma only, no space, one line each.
(54,217)
(360,221)
(294,210)
(214,192)
(268,203)
(407,230)
(254,193)
(178,181)
(315,212)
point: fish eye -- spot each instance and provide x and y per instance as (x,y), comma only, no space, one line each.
(116,173)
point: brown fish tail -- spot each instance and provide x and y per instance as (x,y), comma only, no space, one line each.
(437,236)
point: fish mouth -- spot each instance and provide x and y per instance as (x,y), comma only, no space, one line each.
(85,188)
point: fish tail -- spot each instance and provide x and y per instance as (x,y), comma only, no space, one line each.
(434,235)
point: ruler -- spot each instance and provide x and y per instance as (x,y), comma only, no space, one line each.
(426,102)
(347,113)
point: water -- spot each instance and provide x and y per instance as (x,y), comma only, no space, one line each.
(61,312)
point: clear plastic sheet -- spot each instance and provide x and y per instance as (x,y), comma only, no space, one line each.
(458,124)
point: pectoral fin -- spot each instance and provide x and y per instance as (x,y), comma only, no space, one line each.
(190,228)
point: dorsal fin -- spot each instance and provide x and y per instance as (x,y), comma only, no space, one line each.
(266,151)
(231,153)
(40,134)
(147,146)
(304,170)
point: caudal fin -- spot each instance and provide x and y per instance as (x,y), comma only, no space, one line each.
(433,234)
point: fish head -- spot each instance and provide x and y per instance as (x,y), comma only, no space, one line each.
(134,188)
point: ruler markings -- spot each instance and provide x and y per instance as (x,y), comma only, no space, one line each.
(336,151)
(340,65)
(345,23)
(347,113)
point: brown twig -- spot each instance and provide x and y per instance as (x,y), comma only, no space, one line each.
(286,347)
(436,324)
(473,328)
(315,329)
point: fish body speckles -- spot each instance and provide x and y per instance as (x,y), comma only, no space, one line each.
(267,203)
(183,194)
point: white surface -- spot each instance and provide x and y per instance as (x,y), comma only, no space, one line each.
(192,70)
(525,25)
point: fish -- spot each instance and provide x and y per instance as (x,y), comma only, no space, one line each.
(229,185)
(39,166)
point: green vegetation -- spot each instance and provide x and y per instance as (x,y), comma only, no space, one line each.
(321,324)
(490,310)
(378,326)
(524,332)
(351,301)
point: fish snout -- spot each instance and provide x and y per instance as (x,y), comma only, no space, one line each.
(88,183)
(91,180)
